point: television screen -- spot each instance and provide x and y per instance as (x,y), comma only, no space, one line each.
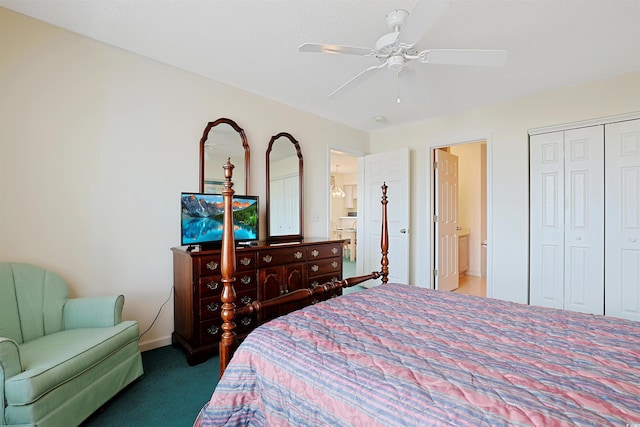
(201,222)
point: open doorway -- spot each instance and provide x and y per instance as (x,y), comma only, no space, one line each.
(343,205)
(461,256)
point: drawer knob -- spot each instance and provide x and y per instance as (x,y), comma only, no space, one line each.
(297,255)
(315,268)
(213,306)
(245,261)
(314,284)
(246,280)
(212,330)
(334,250)
(246,299)
(315,301)
(267,258)
(334,264)
(246,321)
(213,285)
(315,253)
(212,265)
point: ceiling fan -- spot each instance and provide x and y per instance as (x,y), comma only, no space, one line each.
(397,49)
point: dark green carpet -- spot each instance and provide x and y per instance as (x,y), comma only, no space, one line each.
(170,393)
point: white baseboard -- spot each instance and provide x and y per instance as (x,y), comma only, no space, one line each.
(473,273)
(156,343)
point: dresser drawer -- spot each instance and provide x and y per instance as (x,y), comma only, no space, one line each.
(323,267)
(273,257)
(211,330)
(212,285)
(208,265)
(325,251)
(246,261)
(319,280)
(211,307)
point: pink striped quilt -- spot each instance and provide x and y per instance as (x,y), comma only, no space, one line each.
(398,355)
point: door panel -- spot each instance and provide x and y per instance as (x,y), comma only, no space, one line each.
(391,167)
(622,259)
(446,208)
(584,219)
(546,279)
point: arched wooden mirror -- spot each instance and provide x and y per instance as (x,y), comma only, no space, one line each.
(221,140)
(284,189)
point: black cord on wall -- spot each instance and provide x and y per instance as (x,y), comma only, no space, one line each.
(157,315)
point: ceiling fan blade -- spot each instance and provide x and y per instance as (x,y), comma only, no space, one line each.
(421,18)
(477,57)
(334,48)
(356,80)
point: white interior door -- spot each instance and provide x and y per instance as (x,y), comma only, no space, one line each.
(584,220)
(446,221)
(546,186)
(391,167)
(622,251)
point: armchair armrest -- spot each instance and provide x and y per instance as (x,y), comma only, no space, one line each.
(10,365)
(93,312)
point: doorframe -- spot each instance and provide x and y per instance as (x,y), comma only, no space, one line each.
(473,138)
(351,152)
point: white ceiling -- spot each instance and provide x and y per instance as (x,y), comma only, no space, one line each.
(252,45)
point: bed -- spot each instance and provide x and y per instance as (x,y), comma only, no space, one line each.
(402,355)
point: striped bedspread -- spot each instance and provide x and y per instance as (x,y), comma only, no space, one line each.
(398,355)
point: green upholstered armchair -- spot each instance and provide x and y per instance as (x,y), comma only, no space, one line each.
(60,358)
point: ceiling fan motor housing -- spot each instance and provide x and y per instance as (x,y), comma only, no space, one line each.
(396,18)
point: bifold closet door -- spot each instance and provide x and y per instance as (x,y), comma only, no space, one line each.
(622,259)
(546,192)
(567,220)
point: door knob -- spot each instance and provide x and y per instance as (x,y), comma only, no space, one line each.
(403,230)
(458,228)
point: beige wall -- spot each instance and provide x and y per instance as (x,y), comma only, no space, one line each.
(96,145)
(504,126)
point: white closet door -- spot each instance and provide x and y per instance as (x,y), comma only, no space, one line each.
(546,279)
(622,262)
(584,220)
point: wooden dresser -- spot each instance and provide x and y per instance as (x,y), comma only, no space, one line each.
(262,272)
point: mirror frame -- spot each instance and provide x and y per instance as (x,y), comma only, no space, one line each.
(245,145)
(290,237)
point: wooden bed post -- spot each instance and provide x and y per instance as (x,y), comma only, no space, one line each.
(384,237)
(227,266)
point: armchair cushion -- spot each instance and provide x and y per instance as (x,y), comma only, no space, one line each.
(57,358)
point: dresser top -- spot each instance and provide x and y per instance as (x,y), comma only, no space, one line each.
(310,241)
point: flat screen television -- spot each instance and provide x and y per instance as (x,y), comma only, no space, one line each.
(201,219)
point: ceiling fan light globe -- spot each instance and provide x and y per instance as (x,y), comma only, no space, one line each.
(396,63)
